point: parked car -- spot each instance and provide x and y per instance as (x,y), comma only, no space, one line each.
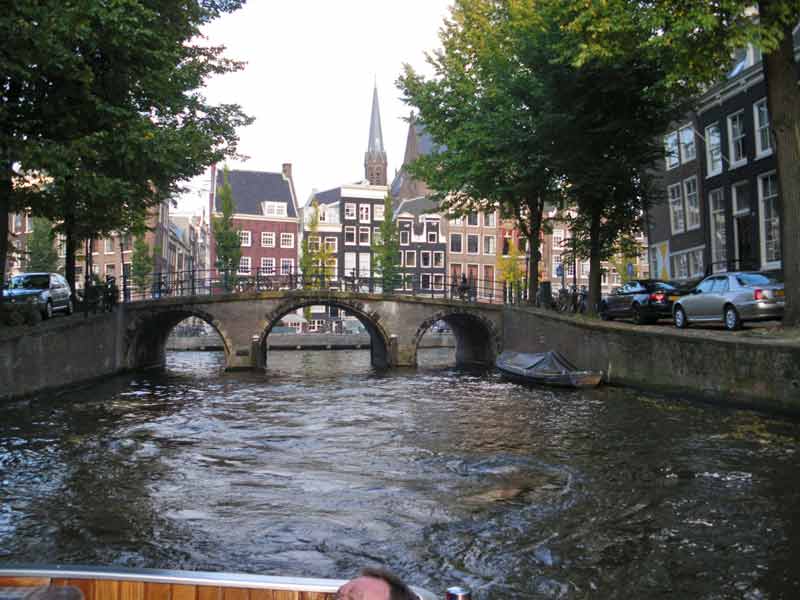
(643,300)
(49,291)
(731,298)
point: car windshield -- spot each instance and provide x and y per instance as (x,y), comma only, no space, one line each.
(30,282)
(660,285)
(756,279)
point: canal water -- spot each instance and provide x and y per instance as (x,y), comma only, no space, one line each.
(447,476)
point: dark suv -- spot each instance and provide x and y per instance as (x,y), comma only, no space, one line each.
(643,300)
(48,291)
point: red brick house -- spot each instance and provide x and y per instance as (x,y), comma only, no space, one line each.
(266,216)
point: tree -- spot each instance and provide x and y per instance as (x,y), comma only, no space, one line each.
(511,272)
(226,237)
(487,113)
(386,249)
(103,102)
(41,252)
(315,259)
(694,40)
(141,265)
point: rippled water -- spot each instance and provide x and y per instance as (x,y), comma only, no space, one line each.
(447,476)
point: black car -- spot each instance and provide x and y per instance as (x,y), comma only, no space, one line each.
(643,300)
(49,292)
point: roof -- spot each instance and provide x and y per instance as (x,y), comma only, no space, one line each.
(251,188)
(418,143)
(419,206)
(329,196)
(375,144)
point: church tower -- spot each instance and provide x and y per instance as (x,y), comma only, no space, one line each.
(375,163)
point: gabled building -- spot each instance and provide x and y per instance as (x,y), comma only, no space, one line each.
(423,247)
(267,217)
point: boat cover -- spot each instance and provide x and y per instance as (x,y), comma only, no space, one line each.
(551,362)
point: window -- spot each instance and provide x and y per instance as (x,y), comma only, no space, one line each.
(377,212)
(405,235)
(349,236)
(425,259)
(411,258)
(363,213)
(363,236)
(127,243)
(473,244)
(487,285)
(741,198)
(719,247)
(364,264)
(692,204)
(332,268)
(349,264)
(349,211)
(457,221)
(671,150)
(489,219)
(472,219)
(770,221)
(244,265)
(677,218)
(110,270)
(736,139)
(244,238)
(558,238)
(556,261)
(507,241)
(687,264)
(761,120)
(438,260)
(425,281)
(331,244)
(267,239)
(688,149)
(376,235)
(432,229)
(61,245)
(108,245)
(274,209)
(322,214)
(438,282)
(287,240)
(267,266)
(455,243)
(313,243)
(287,266)
(713,150)
(489,244)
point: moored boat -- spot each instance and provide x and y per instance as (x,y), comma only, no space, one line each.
(546,368)
(100,583)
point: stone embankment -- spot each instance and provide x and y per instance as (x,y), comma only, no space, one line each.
(306,341)
(731,368)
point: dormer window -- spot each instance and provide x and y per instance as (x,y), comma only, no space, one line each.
(274,209)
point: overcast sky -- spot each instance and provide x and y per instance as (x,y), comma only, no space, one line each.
(311,67)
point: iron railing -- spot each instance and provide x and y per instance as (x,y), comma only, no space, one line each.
(200,283)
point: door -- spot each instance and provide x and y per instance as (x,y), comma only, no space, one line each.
(616,301)
(694,303)
(704,303)
(744,231)
(718,298)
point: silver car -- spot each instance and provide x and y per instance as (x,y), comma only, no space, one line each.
(731,298)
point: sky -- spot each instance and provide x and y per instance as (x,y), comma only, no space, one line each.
(311,68)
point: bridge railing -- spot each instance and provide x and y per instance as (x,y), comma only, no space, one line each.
(429,285)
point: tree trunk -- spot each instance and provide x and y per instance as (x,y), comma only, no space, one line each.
(5,209)
(595,266)
(535,209)
(70,246)
(781,73)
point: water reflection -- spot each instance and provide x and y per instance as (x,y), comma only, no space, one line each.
(324,465)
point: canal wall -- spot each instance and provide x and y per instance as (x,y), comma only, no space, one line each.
(740,369)
(60,352)
(305,341)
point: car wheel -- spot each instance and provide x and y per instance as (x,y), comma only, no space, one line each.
(680,318)
(48,310)
(70,307)
(638,317)
(731,318)
(604,312)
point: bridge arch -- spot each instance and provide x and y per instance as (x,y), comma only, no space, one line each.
(381,341)
(478,342)
(147,334)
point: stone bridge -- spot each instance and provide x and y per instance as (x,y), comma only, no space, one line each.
(395,324)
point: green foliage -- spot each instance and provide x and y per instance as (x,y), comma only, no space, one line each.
(226,237)
(42,255)
(386,249)
(315,256)
(141,265)
(102,112)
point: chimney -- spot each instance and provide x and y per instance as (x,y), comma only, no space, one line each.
(287,170)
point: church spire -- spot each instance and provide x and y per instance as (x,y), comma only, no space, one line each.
(375,162)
